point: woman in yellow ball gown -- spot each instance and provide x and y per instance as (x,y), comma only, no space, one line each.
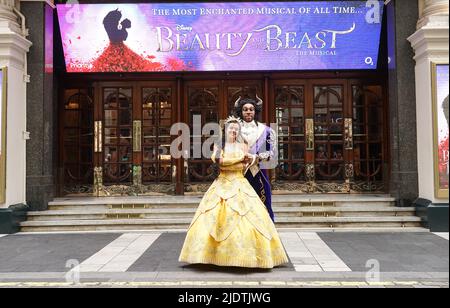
(232,226)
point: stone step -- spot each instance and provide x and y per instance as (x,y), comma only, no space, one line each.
(76,206)
(380,227)
(323,229)
(96,214)
(162,200)
(184,222)
(276,204)
(176,213)
(177,201)
(362,227)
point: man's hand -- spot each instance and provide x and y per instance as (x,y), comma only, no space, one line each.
(249,158)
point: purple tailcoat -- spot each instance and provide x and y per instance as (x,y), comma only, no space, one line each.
(261,182)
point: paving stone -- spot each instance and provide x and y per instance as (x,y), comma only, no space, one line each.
(49,252)
(308,268)
(400,252)
(158,266)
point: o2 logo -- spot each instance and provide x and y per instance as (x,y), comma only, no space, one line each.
(369,61)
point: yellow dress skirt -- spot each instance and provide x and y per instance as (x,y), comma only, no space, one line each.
(232,226)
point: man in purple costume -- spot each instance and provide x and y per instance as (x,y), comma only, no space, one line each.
(262,143)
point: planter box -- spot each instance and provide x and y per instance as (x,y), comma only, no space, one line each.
(11,218)
(434,216)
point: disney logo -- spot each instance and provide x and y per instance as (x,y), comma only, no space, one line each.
(184,28)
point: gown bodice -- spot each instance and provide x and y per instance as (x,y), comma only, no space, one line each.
(233,167)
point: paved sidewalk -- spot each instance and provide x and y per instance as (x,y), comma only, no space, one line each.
(150,259)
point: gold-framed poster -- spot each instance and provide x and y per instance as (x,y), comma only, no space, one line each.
(3,80)
(440,88)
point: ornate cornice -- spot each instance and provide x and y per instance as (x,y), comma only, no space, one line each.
(431,40)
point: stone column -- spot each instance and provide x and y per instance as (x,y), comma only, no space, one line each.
(13,50)
(434,7)
(430,43)
(41,106)
(402,18)
(6,12)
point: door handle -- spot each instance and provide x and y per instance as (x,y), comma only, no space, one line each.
(309,123)
(348,134)
(98,136)
(137,136)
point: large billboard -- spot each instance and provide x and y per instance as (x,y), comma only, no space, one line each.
(244,36)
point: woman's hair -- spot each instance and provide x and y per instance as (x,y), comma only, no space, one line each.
(245,101)
(220,143)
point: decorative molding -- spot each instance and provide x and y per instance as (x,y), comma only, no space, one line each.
(372,187)
(160,188)
(329,188)
(139,190)
(349,171)
(310,172)
(13,43)
(137,175)
(332,187)
(197,188)
(431,41)
(78,189)
(98,181)
(292,187)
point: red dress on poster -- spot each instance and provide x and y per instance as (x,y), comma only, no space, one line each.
(118,57)
(444,152)
(443,163)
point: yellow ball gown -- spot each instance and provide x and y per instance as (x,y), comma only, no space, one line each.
(232,226)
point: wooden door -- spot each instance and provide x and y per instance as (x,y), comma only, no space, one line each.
(203,104)
(333,149)
(290,105)
(210,102)
(132,130)
(155,117)
(332,135)
(76,172)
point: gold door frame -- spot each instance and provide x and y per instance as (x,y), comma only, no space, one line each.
(3,100)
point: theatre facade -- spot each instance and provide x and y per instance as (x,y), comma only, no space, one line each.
(94,91)
(115,121)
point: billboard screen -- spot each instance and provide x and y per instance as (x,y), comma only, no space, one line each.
(244,36)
